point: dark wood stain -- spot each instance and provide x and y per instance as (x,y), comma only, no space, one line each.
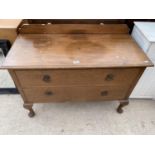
(84,45)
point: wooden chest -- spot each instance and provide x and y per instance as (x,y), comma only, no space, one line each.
(75,62)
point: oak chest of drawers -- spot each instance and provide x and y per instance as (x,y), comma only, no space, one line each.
(75,62)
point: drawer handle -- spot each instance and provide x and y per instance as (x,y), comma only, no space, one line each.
(46,78)
(48,93)
(109,77)
(104,93)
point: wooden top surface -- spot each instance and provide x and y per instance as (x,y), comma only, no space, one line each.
(75,51)
(9,23)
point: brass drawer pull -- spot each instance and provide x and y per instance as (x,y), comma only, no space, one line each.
(48,93)
(109,77)
(46,78)
(104,93)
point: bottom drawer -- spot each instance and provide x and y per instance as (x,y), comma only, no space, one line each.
(61,94)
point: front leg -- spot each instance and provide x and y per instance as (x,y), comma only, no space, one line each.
(28,106)
(121,105)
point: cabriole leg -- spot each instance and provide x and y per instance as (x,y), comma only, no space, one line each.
(29,107)
(121,105)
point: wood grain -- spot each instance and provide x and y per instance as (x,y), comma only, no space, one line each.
(78,93)
(17,83)
(134,82)
(34,51)
(101,63)
(77,77)
(73,29)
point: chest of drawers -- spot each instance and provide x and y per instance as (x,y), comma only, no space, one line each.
(75,62)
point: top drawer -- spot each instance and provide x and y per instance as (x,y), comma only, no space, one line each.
(66,77)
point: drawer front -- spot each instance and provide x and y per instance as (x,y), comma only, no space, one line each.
(32,78)
(61,94)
